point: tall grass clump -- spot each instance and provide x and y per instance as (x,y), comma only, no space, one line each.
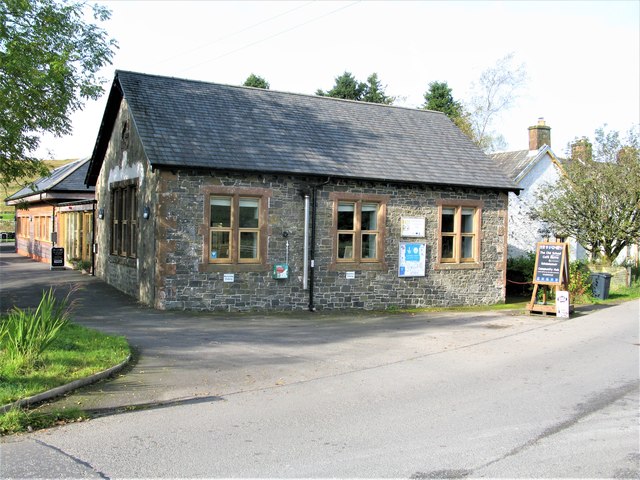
(26,334)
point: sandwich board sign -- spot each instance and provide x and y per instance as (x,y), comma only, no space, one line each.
(551,270)
(57,258)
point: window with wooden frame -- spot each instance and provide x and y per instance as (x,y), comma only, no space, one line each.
(236,229)
(23,226)
(124,224)
(359,222)
(459,232)
(42,228)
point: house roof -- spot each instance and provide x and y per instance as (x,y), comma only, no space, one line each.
(193,124)
(66,181)
(518,163)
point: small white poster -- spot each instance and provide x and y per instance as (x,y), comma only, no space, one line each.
(562,304)
(229,277)
(412,259)
(412,226)
(350,275)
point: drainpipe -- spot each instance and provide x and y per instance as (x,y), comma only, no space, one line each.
(305,269)
(93,237)
(312,247)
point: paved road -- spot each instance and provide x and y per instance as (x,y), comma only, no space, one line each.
(486,397)
(187,356)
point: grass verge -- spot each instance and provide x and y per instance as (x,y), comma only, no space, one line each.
(19,420)
(77,353)
(622,294)
(616,295)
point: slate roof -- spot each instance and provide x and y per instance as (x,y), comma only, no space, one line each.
(193,124)
(517,164)
(68,178)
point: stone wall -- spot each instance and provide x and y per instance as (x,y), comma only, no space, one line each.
(185,280)
(172,270)
(125,161)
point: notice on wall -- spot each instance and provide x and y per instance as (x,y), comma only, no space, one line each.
(57,257)
(229,277)
(412,227)
(550,261)
(412,259)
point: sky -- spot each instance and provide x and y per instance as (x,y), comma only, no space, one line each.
(582,57)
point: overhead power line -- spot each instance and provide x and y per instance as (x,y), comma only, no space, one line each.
(282,32)
(233,34)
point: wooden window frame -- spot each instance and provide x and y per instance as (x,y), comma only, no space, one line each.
(234,263)
(356,262)
(457,261)
(124,219)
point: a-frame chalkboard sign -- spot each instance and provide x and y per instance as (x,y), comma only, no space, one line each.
(551,270)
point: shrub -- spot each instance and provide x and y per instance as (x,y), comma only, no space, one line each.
(520,273)
(25,334)
(579,280)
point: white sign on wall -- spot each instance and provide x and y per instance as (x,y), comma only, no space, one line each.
(412,226)
(229,277)
(412,259)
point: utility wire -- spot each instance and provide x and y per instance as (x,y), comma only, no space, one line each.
(269,37)
(224,37)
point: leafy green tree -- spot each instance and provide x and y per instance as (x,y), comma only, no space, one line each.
(346,87)
(49,62)
(597,200)
(349,88)
(374,92)
(439,98)
(256,82)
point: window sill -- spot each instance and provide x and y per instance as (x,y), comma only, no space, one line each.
(232,267)
(127,261)
(459,266)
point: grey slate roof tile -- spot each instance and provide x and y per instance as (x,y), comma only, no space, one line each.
(66,178)
(185,123)
(512,163)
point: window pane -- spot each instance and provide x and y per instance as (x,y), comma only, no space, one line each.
(369,246)
(467,247)
(134,205)
(134,241)
(345,216)
(448,215)
(219,245)
(248,244)
(369,216)
(249,213)
(220,212)
(345,245)
(447,247)
(467,220)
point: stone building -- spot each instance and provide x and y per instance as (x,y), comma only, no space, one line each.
(56,211)
(214,197)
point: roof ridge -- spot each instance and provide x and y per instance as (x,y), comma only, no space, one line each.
(65,170)
(280,92)
(70,166)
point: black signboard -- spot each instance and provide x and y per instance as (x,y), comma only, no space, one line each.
(550,258)
(57,257)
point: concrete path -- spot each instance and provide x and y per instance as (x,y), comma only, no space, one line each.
(187,357)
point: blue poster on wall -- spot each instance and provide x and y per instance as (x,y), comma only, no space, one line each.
(412,259)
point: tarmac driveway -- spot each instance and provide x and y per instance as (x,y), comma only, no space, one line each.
(184,357)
